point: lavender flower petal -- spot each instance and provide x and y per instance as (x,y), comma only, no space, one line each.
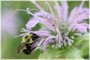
(35,43)
(48,40)
(58,8)
(32,23)
(42,33)
(81,5)
(73,15)
(58,41)
(41,13)
(59,38)
(64,10)
(81,28)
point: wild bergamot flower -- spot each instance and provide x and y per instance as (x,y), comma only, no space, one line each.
(56,29)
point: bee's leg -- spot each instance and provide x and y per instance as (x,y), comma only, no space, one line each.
(20,47)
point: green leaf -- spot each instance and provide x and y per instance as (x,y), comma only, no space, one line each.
(49,53)
(67,53)
(72,53)
(84,37)
(84,51)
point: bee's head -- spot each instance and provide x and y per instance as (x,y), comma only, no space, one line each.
(26,37)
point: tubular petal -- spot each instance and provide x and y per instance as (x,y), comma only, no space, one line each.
(59,38)
(81,28)
(48,40)
(35,43)
(64,10)
(42,33)
(58,8)
(32,23)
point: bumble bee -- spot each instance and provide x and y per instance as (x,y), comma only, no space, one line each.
(26,44)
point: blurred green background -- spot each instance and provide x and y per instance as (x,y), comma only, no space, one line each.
(9,43)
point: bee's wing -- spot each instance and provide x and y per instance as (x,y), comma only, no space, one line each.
(20,47)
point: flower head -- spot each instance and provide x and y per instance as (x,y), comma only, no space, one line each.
(56,28)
